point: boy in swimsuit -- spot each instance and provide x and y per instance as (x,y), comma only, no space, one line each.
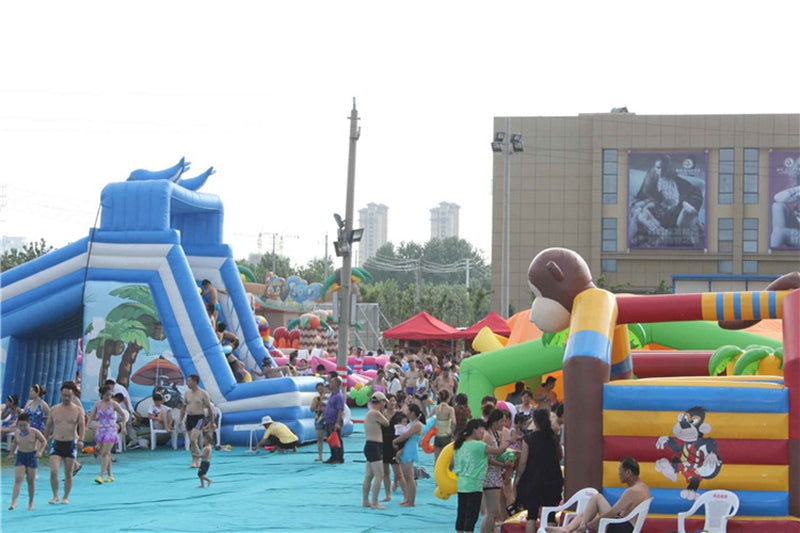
(205,460)
(29,444)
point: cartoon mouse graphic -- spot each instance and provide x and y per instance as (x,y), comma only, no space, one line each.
(695,456)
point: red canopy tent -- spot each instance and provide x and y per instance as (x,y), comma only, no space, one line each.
(421,327)
(493,321)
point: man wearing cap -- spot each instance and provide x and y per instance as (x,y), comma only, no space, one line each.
(278,435)
(373,450)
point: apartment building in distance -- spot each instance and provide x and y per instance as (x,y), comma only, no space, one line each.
(374,218)
(444,220)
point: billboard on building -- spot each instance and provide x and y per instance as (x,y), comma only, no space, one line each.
(784,199)
(666,200)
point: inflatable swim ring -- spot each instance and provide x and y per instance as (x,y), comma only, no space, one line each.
(446,479)
(427,446)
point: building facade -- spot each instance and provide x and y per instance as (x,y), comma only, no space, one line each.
(646,198)
(444,220)
(375,220)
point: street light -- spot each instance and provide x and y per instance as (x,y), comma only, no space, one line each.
(507,148)
(343,244)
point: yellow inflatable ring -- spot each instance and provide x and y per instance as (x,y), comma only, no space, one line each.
(446,479)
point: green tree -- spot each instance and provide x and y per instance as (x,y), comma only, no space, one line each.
(127,330)
(314,271)
(269,262)
(14,257)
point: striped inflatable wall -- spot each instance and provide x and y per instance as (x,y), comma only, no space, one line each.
(747,420)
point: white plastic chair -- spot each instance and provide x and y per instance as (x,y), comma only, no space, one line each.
(581,498)
(640,511)
(155,430)
(121,433)
(720,506)
(217,431)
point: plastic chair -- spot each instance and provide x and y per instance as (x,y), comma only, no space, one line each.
(155,431)
(121,433)
(217,431)
(720,506)
(581,498)
(639,511)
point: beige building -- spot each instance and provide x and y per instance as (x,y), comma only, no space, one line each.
(444,220)
(600,184)
(375,220)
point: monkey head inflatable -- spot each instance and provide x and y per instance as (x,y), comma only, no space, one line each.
(556,276)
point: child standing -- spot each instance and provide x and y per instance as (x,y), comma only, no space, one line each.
(205,459)
(29,444)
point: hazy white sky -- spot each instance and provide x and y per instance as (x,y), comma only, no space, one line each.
(261,90)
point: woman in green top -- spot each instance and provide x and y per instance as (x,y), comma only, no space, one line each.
(470,465)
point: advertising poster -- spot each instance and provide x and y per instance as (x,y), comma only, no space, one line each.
(666,200)
(784,200)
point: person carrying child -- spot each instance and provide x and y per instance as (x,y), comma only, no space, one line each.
(29,443)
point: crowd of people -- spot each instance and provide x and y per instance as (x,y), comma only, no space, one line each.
(506,460)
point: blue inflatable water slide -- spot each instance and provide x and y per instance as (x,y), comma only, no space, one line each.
(156,230)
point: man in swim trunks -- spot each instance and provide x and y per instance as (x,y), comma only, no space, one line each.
(598,507)
(195,403)
(211,295)
(373,450)
(66,426)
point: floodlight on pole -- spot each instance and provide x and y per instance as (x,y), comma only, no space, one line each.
(507,148)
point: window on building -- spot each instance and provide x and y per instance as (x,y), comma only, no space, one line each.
(750,236)
(750,266)
(609,234)
(726,168)
(725,266)
(725,236)
(608,265)
(751,175)
(610,172)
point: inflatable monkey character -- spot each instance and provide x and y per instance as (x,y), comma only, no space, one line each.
(696,457)
(556,276)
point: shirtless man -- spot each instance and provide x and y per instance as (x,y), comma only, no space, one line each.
(211,294)
(598,507)
(412,375)
(373,450)
(195,403)
(445,381)
(66,425)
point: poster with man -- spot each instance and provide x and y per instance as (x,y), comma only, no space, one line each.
(666,200)
(784,194)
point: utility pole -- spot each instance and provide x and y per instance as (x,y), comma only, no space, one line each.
(347,264)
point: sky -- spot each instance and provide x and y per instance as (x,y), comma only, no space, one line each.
(262,91)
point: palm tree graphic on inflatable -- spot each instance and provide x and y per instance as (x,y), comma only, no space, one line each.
(127,330)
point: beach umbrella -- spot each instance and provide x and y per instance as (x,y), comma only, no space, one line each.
(159,371)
